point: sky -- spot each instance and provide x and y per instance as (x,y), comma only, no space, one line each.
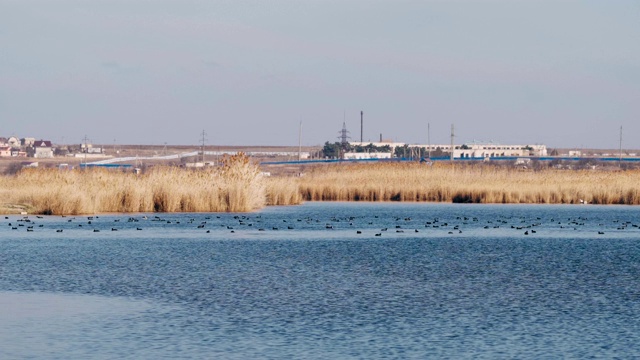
(561,73)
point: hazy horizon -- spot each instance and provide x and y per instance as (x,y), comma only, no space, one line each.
(560,73)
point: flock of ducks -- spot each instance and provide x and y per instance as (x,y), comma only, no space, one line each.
(245,222)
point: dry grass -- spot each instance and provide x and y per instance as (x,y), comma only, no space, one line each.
(283,191)
(237,186)
(468,183)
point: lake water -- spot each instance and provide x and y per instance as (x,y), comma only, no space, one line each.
(419,280)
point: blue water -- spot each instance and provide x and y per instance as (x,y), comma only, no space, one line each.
(300,282)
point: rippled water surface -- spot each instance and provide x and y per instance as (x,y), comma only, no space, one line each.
(419,280)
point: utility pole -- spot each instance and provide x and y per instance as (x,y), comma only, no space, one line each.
(344,135)
(300,142)
(204,139)
(452,135)
(86,150)
(361,124)
(620,159)
(429,140)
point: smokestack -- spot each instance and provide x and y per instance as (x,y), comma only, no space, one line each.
(380,137)
(361,124)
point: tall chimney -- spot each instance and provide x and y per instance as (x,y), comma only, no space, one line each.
(380,137)
(361,124)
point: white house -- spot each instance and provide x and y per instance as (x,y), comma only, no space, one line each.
(42,149)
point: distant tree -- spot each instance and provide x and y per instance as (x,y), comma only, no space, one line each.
(401,151)
(370,148)
(332,150)
(439,153)
(60,151)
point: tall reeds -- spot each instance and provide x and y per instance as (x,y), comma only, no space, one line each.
(283,191)
(237,186)
(469,184)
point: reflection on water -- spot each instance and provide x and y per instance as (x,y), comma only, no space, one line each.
(64,325)
(325,281)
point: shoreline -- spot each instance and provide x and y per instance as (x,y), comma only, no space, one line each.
(107,213)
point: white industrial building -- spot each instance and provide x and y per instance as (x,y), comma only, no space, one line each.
(366,155)
(469,151)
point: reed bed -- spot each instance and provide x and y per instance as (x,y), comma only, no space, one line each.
(283,191)
(479,183)
(237,186)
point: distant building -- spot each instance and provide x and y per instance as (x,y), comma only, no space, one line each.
(5,151)
(89,149)
(42,149)
(362,156)
(26,142)
(14,142)
(473,151)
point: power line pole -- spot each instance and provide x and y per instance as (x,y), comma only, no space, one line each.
(620,159)
(204,139)
(344,135)
(452,135)
(300,142)
(361,124)
(86,150)
(429,140)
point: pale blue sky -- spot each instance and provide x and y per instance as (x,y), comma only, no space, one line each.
(563,73)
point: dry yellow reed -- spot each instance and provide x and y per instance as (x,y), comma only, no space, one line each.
(237,186)
(283,191)
(469,183)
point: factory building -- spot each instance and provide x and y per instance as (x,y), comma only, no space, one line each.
(471,151)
